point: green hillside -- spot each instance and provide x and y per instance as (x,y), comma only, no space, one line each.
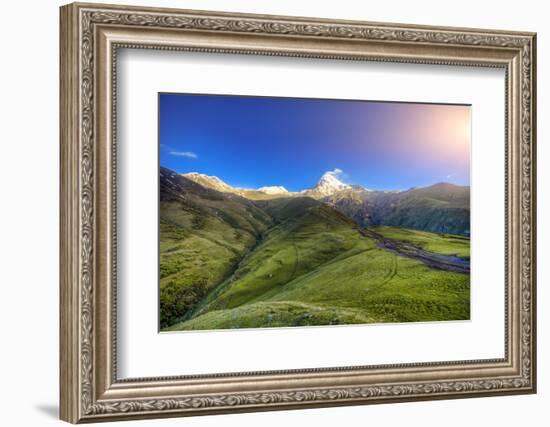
(314,267)
(203,235)
(298,244)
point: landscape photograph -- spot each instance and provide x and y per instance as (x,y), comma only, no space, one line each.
(298,212)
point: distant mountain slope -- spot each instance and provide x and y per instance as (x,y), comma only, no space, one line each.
(441,208)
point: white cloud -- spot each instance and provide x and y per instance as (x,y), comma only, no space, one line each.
(188,154)
(451,175)
(336,172)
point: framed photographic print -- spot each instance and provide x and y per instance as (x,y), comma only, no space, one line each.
(346,239)
(263,212)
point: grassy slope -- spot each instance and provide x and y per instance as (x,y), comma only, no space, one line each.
(203,235)
(315,268)
(445,244)
(297,245)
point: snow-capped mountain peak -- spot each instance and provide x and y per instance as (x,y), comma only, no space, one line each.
(330,180)
(217,184)
(328,184)
(274,189)
(209,181)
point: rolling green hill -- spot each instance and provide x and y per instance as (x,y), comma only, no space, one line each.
(307,235)
(203,235)
(357,283)
(227,261)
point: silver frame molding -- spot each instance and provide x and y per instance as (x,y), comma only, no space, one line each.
(90,37)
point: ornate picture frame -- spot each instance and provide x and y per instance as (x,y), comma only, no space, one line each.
(90,37)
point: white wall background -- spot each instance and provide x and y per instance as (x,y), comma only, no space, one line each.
(29,170)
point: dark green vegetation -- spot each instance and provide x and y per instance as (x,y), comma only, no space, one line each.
(230,262)
(441,208)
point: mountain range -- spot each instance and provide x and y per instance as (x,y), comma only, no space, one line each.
(441,208)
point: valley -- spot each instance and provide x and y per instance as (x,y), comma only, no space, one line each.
(334,254)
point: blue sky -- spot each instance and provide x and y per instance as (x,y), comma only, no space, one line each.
(251,142)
